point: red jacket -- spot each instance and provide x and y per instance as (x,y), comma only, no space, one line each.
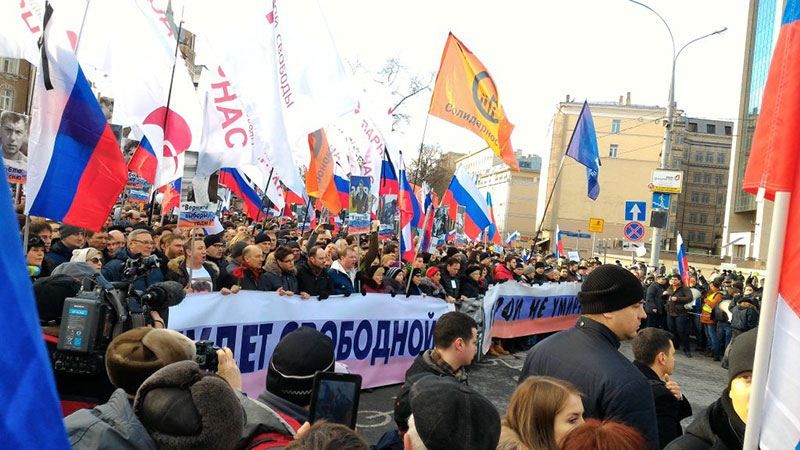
(501,273)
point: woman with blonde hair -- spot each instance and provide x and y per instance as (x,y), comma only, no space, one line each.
(541,412)
(89,255)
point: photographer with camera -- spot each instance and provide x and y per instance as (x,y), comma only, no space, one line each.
(139,250)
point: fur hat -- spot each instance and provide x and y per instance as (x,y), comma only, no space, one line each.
(184,407)
(609,288)
(296,359)
(138,353)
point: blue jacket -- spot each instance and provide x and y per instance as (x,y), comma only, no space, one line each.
(341,282)
(58,254)
(113,271)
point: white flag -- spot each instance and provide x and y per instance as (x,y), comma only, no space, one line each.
(20,29)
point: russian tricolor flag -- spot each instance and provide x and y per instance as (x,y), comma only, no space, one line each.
(389,183)
(343,189)
(144,161)
(235,181)
(172,196)
(559,244)
(409,217)
(76,170)
(462,191)
(493,234)
(683,265)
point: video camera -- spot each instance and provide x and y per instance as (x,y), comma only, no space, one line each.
(102,310)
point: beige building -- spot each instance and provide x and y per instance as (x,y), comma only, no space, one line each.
(15,78)
(629,141)
(514,194)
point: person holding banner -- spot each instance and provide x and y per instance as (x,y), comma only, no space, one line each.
(281,274)
(204,275)
(312,276)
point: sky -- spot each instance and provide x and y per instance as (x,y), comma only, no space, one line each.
(539,51)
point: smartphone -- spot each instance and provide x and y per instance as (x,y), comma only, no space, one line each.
(327,226)
(335,398)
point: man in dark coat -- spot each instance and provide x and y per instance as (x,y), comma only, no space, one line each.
(654,303)
(72,238)
(654,356)
(140,245)
(281,274)
(722,425)
(588,355)
(312,278)
(678,320)
(450,279)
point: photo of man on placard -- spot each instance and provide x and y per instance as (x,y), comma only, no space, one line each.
(14,136)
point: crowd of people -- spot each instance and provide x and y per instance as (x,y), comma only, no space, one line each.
(576,390)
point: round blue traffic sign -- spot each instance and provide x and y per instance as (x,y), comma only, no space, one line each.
(634,231)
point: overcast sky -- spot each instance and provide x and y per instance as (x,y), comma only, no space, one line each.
(539,51)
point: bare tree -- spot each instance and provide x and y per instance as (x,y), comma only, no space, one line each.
(433,168)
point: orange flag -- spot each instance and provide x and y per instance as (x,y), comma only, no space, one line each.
(465,95)
(319,178)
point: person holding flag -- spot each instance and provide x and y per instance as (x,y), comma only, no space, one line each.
(678,296)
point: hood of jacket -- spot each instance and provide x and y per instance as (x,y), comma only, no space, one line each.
(719,425)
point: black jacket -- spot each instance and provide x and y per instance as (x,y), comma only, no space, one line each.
(669,410)
(588,356)
(312,284)
(277,278)
(113,271)
(716,428)
(251,281)
(677,308)
(653,298)
(470,288)
(452,285)
(58,254)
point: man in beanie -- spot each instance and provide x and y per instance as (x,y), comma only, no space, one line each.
(72,238)
(588,355)
(290,376)
(722,424)
(448,415)
(215,251)
(130,359)
(539,277)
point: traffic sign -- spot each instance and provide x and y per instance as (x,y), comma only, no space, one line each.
(661,200)
(634,231)
(667,181)
(596,225)
(635,210)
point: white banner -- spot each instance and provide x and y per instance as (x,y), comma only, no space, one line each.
(377,335)
(21,25)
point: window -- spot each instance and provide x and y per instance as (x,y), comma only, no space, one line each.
(697,177)
(693,127)
(709,157)
(719,180)
(728,130)
(615,126)
(720,158)
(6,98)
(701,236)
(695,197)
(9,65)
(692,219)
(707,178)
(703,219)
(691,236)
(612,150)
(705,198)
(698,157)
(717,219)
(719,198)
(711,128)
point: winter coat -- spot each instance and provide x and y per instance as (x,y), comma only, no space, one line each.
(502,273)
(276,278)
(313,284)
(264,427)
(178,272)
(110,425)
(471,288)
(251,281)
(716,428)
(369,286)
(540,279)
(392,286)
(684,295)
(745,315)
(424,363)
(669,410)
(431,289)
(653,299)
(588,356)
(452,285)
(113,270)
(59,254)
(341,281)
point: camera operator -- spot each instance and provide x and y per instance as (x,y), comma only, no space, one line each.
(140,245)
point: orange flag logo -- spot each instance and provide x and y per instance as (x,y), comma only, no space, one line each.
(466,95)
(319,178)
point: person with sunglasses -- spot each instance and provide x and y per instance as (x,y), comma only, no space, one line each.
(140,244)
(89,255)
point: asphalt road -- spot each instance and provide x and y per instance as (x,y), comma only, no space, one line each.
(701,379)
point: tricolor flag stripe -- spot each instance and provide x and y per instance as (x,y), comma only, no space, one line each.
(463,192)
(683,265)
(233,180)
(144,161)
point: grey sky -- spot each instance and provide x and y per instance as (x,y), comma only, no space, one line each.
(539,51)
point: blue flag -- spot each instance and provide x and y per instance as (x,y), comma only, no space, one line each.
(30,413)
(583,148)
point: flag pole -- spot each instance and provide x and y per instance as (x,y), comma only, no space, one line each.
(421,144)
(550,197)
(766,321)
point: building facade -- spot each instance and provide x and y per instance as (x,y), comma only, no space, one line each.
(629,138)
(701,149)
(747,221)
(15,79)
(514,194)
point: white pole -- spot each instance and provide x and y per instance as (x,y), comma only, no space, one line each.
(766,322)
(594,235)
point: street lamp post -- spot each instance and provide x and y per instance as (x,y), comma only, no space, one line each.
(655,245)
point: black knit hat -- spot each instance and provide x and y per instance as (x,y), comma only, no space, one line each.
(609,288)
(473,268)
(262,237)
(296,359)
(450,415)
(212,239)
(742,354)
(182,407)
